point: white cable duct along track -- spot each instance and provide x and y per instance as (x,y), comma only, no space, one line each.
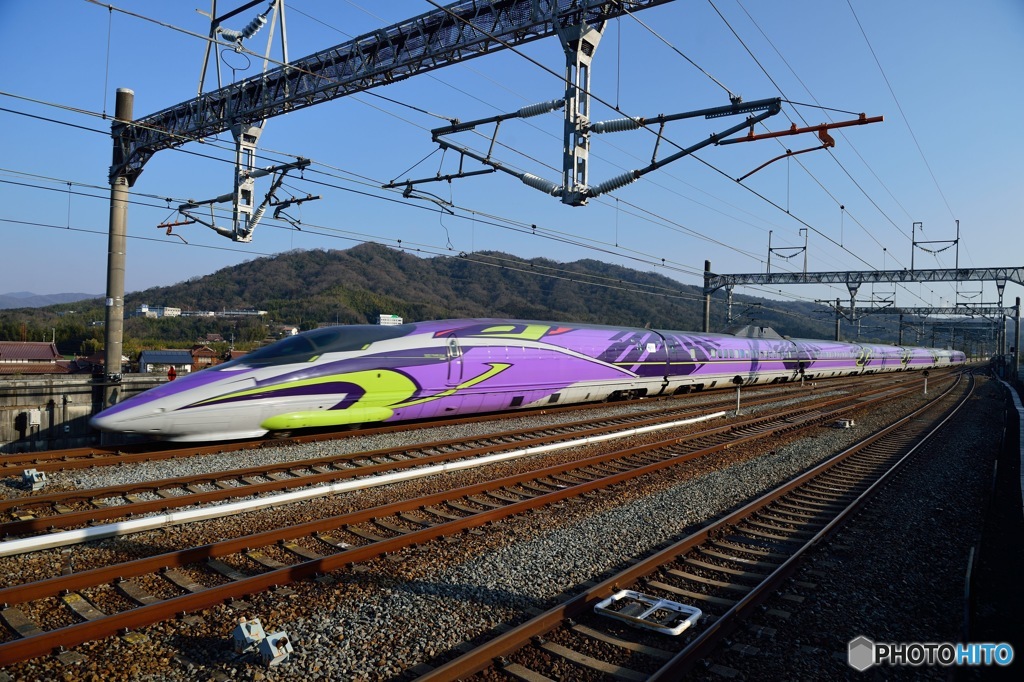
(78,536)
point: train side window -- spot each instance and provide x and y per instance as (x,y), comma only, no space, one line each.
(453,349)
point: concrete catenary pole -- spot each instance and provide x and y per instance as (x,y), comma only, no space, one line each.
(839,317)
(1016,341)
(116,245)
(707,297)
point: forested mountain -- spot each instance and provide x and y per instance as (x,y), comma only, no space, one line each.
(311,288)
(26,299)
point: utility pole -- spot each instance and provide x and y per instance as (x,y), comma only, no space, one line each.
(839,317)
(1016,342)
(116,246)
(707,297)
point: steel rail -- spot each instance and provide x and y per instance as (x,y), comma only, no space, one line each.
(146,486)
(48,523)
(727,622)
(90,457)
(44,642)
(504,645)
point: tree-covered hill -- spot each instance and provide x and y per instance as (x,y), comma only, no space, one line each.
(312,288)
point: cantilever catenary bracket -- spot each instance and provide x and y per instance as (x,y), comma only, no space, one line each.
(578,195)
(244,218)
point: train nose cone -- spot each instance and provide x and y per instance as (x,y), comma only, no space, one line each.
(103,422)
(113,420)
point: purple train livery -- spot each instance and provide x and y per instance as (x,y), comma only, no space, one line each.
(362,374)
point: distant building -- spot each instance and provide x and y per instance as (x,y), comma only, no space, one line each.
(202,357)
(95,363)
(161,360)
(146,310)
(31,357)
(241,313)
(287,330)
(389,320)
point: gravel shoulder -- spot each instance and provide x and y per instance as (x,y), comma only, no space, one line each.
(896,573)
(379,620)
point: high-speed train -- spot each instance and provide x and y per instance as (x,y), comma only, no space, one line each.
(367,373)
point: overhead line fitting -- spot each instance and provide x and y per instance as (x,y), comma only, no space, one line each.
(822,130)
(579,193)
(244,218)
(251,29)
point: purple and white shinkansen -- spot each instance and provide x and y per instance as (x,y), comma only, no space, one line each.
(366,373)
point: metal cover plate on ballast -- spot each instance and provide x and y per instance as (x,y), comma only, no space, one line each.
(649,612)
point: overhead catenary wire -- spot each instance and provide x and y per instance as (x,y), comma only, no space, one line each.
(374,184)
(565,274)
(377,184)
(900,108)
(818,105)
(529,123)
(747,253)
(513,49)
(781,90)
(376,187)
(849,142)
(832,155)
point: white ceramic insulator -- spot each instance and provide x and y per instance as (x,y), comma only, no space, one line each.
(248,32)
(543,185)
(615,126)
(613,183)
(540,108)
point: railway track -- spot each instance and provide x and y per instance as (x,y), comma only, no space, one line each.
(726,569)
(46,513)
(91,457)
(69,609)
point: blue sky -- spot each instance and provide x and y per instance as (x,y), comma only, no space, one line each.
(945,75)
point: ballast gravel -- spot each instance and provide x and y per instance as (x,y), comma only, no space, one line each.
(379,620)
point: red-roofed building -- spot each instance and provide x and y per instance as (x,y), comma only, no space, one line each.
(203,357)
(31,357)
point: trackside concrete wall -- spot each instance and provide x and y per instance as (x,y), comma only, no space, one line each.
(52,411)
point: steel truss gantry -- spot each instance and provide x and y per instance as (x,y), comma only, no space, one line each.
(854,279)
(986,310)
(435,39)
